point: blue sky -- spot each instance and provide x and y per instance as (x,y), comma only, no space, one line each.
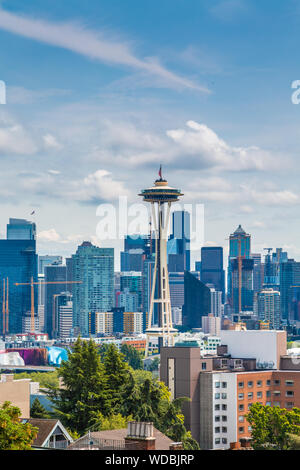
(100,93)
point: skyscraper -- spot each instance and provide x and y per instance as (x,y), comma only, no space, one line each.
(94,267)
(239,250)
(18,264)
(178,246)
(197,301)
(21,229)
(57,274)
(269,307)
(242,285)
(47,260)
(212,271)
(133,282)
(289,277)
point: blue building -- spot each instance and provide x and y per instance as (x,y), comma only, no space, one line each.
(20,229)
(18,264)
(212,271)
(57,274)
(94,267)
(178,246)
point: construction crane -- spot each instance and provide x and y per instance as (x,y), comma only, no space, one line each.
(5,310)
(32,284)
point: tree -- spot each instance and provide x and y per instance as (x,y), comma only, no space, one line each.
(38,410)
(45,379)
(15,435)
(84,392)
(118,374)
(132,356)
(272,426)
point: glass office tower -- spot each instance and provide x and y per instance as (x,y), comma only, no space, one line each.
(212,271)
(18,264)
(20,229)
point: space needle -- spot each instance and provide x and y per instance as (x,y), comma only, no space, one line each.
(161,196)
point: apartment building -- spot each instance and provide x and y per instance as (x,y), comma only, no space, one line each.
(223,387)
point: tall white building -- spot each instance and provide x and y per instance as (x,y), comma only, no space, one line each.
(268,304)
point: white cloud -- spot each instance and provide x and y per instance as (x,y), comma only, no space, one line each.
(209,150)
(92,44)
(51,142)
(14,139)
(50,235)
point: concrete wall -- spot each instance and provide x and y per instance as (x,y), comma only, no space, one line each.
(17,392)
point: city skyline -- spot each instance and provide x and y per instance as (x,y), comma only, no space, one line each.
(212,105)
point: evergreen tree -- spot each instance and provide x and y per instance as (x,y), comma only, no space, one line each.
(132,356)
(118,374)
(15,435)
(84,392)
(38,410)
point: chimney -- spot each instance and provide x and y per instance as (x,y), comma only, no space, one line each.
(139,436)
(176,446)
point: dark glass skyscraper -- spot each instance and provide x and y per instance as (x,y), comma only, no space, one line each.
(289,277)
(20,229)
(18,264)
(58,274)
(212,271)
(179,254)
(197,301)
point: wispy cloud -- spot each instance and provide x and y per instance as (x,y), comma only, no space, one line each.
(92,44)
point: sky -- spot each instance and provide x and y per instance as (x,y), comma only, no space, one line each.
(99,94)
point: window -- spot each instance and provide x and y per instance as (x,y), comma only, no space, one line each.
(289,393)
(241,396)
(249,406)
(217,441)
(250,395)
(203,365)
(217,407)
(241,384)
(224,396)
(217,396)
(217,384)
(241,419)
(241,429)
(268,382)
(268,393)
(276,393)
(224,407)
(277,382)
(259,394)
(289,383)
(224,429)
(224,418)
(259,383)
(224,441)
(241,407)
(224,384)
(217,430)
(250,384)
(289,404)
(249,428)
(217,418)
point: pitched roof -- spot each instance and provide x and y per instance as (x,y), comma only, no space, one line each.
(162,442)
(45,429)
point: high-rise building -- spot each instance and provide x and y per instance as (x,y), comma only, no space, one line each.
(128,300)
(47,260)
(104,323)
(269,307)
(53,274)
(258,273)
(289,277)
(18,264)
(176,281)
(239,249)
(132,260)
(215,301)
(242,284)
(212,271)
(94,268)
(178,246)
(134,283)
(21,229)
(211,325)
(197,301)
(63,315)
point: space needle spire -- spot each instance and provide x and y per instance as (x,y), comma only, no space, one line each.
(160,196)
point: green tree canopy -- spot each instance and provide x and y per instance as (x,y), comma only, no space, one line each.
(39,411)
(132,356)
(15,435)
(272,426)
(84,392)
